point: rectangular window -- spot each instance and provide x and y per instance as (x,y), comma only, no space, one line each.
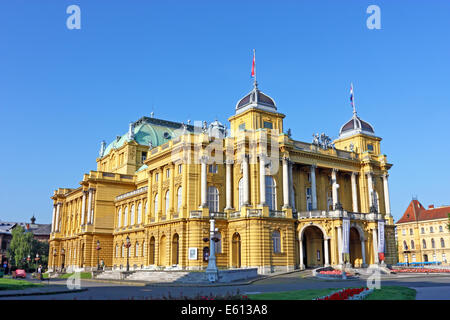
(213,168)
(144,156)
(268,125)
(370,147)
(422,230)
(308,199)
(156,177)
(180,168)
(242,127)
(404,232)
(411,231)
(168,173)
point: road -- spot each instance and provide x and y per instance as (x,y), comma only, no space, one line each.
(427,286)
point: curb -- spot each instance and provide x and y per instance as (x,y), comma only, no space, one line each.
(41,293)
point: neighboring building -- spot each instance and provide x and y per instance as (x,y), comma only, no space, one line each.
(40,232)
(279,203)
(423,235)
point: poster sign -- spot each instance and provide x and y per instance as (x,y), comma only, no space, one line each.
(381,236)
(192,253)
(345,235)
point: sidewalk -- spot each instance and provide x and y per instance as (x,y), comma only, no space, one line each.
(44,290)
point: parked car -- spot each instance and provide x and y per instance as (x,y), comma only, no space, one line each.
(19,273)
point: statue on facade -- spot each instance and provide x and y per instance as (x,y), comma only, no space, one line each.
(289,133)
(150,144)
(205,127)
(316,139)
(352,147)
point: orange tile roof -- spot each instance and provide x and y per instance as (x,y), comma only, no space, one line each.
(417,212)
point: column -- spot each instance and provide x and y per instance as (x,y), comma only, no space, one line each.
(246,180)
(92,206)
(147,214)
(302,265)
(285,182)
(291,187)
(375,244)
(262,180)
(203,188)
(172,193)
(53,219)
(335,187)
(387,202)
(313,187)
(83,208)
(58,209)
(370,188)
(89,207)
(354,192)
(325,254)
(229,186)
(339,235)
(363,252)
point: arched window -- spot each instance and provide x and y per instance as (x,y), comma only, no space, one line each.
(139,212)
(412,244)
(276,239)
(405,246)
(166,209)
(241,193)
(442,243)
(431,230)
(125,219)
(424,244)
(271,193)
(179,198)
(213,199)
(132,220)
(432,244)
(441,229)
(119,218)
(136,253)
(155,204)
(218,244)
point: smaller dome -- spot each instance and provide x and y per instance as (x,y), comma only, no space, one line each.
(354,126)
(217,129)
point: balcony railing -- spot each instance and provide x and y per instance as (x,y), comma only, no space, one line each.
(195,214)
(132,193)
(218,215)
(277,214)
(254,212)
(235,214)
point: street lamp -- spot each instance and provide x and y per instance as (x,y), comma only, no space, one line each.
(128,245)
(98,251)
(211,270)
(37,259)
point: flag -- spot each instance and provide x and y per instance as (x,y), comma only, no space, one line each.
(351,95)
(253,65)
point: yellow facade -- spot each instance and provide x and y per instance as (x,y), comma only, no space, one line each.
(422,234)
(257,181)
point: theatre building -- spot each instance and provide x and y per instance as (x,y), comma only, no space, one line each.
(278,203)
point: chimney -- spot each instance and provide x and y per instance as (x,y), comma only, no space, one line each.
(431,206)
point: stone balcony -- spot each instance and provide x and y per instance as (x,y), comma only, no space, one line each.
(337,214)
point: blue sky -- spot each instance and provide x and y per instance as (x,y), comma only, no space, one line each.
(63,91)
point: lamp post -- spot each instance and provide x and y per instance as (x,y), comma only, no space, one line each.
(28,260)
(98,252)
(128,252)
(54,257)
(211,270)
(37,259)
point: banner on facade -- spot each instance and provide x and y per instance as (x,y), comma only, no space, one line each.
(381,236)
(345,235)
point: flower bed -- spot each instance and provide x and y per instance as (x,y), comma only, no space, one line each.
(421,270)
(333,272)
(348,294)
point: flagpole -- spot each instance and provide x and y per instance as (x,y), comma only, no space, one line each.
(353,99)
(254,59)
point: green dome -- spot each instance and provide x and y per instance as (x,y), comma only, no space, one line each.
(148,130)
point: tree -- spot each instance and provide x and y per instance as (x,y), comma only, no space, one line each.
(23,245)
(20,247)
(448,225)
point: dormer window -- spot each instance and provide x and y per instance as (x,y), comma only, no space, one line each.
(268,125)
(370,147)
(144,156)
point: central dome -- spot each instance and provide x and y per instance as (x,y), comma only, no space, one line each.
(257,99)
(354,126)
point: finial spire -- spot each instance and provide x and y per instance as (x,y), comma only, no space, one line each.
(352,99)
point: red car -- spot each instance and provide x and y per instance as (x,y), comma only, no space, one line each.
(19,273)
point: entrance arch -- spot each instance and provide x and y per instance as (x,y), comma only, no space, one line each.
(313,247)
(162,251)
(236,251)
(175,248)
(356,252)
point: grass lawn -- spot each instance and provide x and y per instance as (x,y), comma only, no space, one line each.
(392,293)
(13,284)
(83,275)
(293,295)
